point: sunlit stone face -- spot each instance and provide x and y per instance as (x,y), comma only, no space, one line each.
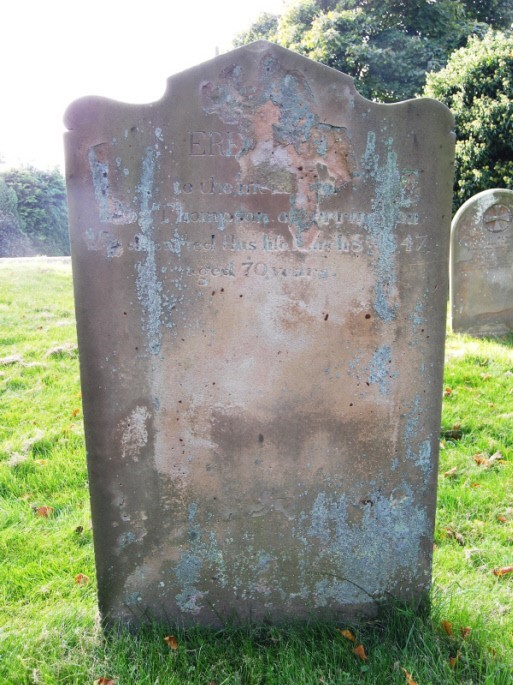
(260,273)
(481,259)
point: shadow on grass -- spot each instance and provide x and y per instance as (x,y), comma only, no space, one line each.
(504,340)
(398,644)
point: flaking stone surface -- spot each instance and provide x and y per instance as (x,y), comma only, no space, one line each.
(260,268)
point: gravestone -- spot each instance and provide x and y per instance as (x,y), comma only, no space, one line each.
(482,265)
(261,294)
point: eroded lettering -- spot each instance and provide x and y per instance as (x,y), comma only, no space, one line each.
(215,143)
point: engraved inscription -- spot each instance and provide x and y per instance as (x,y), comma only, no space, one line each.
(215,143)
(261,269)
(261,292)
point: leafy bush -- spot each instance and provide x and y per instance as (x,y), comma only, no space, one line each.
(477,85)
(40,207)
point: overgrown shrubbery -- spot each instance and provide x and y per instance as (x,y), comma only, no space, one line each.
(36,201)
(477,85)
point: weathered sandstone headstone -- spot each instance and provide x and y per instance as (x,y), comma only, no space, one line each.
(482,264)
(260,264)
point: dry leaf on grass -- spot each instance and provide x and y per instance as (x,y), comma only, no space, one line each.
(502,518)
(447,626)
(44,512)
(453,534)
(104,681)
(486,462)
(347,634)
(447,392)
(451,473)
(465,632)
(360,652)
(499,572)
(171,641)
(409,679)
(81,579)
(453,660)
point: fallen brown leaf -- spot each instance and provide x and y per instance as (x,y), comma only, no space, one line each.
(347,634)
(360,652)
(502,519)
(451,472)
(409,679)
(171,641)
(451,533)
(499,572)
(447,392)
(81,579)
(45,512)
(75,412)
(453,660)
(104,681)
(465,632)
(481,459)
(447,626)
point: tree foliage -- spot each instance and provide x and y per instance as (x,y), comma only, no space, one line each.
(477,85)
(40,206)
(8,202)
(497,13)
(386,45)
(263,28)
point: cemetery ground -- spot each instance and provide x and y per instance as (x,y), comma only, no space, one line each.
(49,631)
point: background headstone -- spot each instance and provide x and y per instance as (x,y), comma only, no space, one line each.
(261,284)
(482,264)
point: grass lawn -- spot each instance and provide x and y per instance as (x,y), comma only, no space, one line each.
(49,630)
